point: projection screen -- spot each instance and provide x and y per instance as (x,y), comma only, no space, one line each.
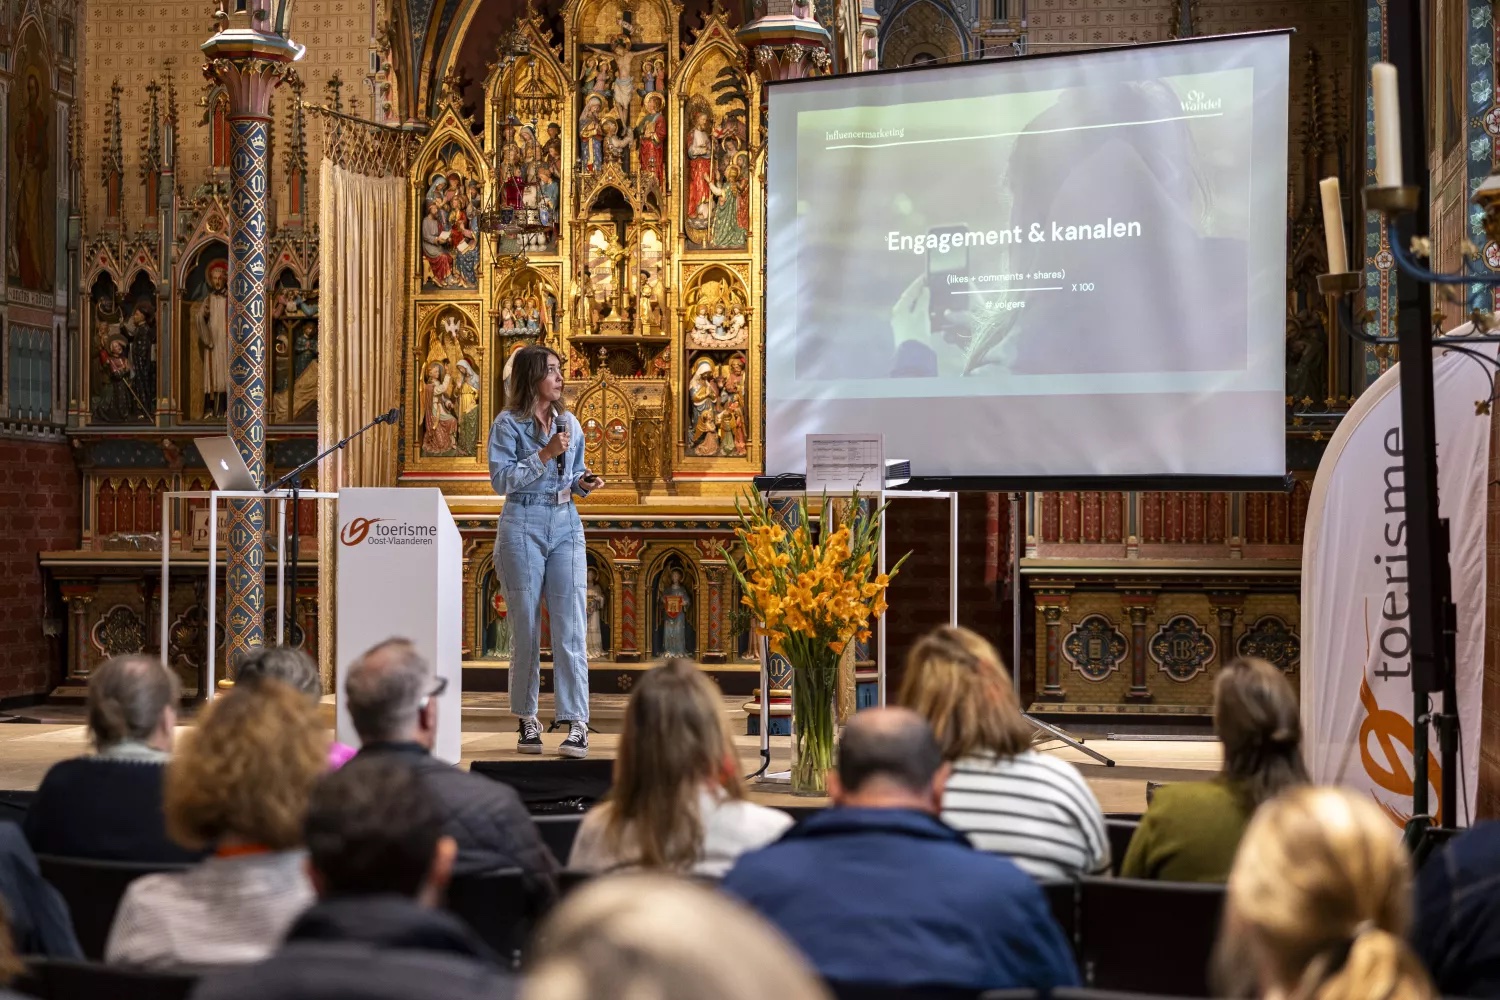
(1056,266)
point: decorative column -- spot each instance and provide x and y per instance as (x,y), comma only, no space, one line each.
(1139,607)
(716,571)
(627,649)
(1226,608)
(248,57)
(78,597)
(1051,608)
(787,42)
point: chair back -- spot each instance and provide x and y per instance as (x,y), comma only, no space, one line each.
(1148,937)
(498,908)
(93,890)
(569,879)
(1119,832)
(842,990)
(60,979)
(558,832)
(1062,897)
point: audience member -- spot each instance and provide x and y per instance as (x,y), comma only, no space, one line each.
(293,667)
(878,890)
(12,968)
(108,805)
(379,861)
(1191,828)
(239,784)
(1034,809)
(391,695)
(1457,929)
(1318,902)
(677,802)
(650,935)
(39,921)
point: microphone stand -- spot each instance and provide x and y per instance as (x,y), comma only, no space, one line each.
(292,482)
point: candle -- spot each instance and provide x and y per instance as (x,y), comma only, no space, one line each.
(1333,225)
(1387,126)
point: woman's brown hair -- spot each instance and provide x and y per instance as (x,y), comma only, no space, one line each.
(1257,719)
(674,741)
(246,769)
(957,682)
(1319,901)
(528,367)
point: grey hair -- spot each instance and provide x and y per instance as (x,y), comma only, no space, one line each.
(287,664)
(384,690)
(127,695)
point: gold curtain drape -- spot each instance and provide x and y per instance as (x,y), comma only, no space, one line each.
(362,266)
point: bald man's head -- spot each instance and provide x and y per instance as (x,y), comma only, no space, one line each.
(385,690)
(893,747)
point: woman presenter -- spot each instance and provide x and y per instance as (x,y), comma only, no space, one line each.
(536,463)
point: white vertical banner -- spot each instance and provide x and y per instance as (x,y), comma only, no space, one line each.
(1356,615)
(400,576)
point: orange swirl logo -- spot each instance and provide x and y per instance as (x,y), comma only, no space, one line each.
(355,531)
(1390,731)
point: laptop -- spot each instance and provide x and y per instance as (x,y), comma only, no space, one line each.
(226,464)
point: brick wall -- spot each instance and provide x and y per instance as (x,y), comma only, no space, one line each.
(39,511)
(919,594)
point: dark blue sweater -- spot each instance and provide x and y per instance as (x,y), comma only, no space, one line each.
(897,897)
(1457,927)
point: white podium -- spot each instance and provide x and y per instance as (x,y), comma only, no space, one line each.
(400,575)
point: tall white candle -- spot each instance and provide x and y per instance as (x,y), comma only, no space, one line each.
(1387,126)
(1333,225)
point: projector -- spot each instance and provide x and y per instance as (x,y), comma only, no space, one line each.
(897,472)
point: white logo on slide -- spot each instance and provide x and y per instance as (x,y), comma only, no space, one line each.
(1196,101)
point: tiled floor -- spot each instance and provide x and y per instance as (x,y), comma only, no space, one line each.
(28,748)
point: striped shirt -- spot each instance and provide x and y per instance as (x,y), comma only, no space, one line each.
(221,911)
(1034,809)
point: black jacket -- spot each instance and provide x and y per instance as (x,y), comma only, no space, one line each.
(368,948)
(486,818)
(39,920)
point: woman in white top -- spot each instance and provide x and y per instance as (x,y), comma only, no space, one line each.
(238,785)
(678,803)
(1035,809)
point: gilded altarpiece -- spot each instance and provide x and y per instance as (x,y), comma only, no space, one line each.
(605,199)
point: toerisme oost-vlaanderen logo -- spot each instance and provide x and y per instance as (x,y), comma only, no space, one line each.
(384,531)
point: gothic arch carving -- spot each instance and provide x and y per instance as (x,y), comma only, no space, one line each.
(922,30)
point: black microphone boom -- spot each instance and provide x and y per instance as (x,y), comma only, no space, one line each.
(393,416)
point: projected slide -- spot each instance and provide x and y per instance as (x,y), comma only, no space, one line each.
(1061,266)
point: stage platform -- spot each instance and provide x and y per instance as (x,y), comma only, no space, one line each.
(33,739)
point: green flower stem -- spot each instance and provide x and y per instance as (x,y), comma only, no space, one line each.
(814,678)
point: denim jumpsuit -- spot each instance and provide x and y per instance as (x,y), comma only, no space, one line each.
(539,552)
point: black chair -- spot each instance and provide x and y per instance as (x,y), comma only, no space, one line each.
(1119,832)
(1062,896)
(877,991)
(568,880)
(1084,993)
(498,907)
(1148,937)
(558,833)
(549,787)
(93,890)
(59,979)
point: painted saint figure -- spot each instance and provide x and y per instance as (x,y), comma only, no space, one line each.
(211,330)
(32,137)
(439,423)
(700,158)
(467,434)
(652,133)
(703,394)
(676,602)
(591,136)
(594,601)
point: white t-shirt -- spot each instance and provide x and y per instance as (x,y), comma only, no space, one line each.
(730,828)
(1034,809)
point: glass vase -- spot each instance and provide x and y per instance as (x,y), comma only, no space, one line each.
(814,686)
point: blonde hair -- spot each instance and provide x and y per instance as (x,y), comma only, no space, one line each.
(1319,897)
(663,938)
(673,741)
(956,681)
(246,769)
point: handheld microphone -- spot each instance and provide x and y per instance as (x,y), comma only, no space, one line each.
(561,459)
(392,416)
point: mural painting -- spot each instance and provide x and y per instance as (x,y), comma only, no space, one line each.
(123,345)
(449,392)
(717,421)
(31,193)
(676,606)
(294,352)
(450,219)
(597,602)
(717,208)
